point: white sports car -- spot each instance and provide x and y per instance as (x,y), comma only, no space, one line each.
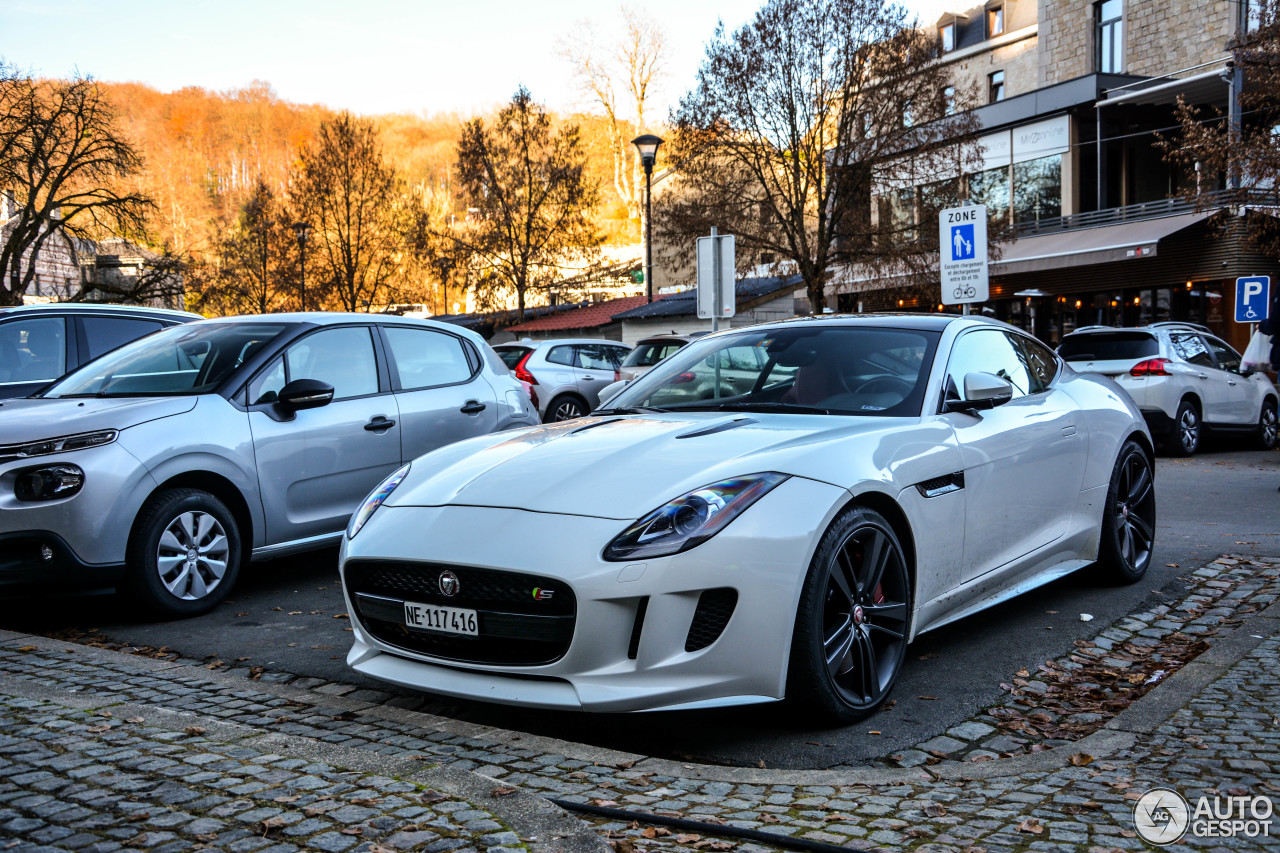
(785,538)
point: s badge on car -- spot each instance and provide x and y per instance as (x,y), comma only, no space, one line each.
(449,585)
(540,594)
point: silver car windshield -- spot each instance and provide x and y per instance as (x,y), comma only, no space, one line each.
(831,370)
(174,362)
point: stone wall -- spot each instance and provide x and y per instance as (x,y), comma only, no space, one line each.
(1160,36)
(58,273)
(1017,60)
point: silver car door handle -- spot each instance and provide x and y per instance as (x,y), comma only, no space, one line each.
(472,407)
(1231,382)
(1202,375)
(1068,430)
(589,379)
(379,424)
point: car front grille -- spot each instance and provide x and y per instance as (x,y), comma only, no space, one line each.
(715,606)
(524,620)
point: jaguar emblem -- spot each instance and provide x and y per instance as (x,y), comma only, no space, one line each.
(449,585)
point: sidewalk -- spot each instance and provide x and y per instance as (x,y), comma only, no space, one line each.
(101,750)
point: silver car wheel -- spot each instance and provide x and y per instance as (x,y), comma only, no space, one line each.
(191,558)
(1135,511)
(567,410)
(1267,427)
(1189,429)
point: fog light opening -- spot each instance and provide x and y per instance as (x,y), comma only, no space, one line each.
(46,553)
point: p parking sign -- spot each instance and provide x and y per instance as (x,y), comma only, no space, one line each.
(1253,298)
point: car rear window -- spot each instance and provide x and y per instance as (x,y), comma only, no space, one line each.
(1108,346)
(647,354)
(511,355)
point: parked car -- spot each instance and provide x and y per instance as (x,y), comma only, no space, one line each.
(566,374)
(39,343)
(1182,378)
(881,477)
(170,462)
(650,351)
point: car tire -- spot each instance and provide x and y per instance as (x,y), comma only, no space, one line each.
(853,620)
(1184,440)
(566,407)
(1266,436)
(1129,519)
(184,554)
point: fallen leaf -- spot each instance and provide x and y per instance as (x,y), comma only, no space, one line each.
(241,660)
(366,801)
(768,817)
(194,730)
(295,612)
(292,798)
(351,830)
(134,720)
(217,664)
(316,612)
(1128,833)
(927,698)
(341,616)
(270,823)
(136,817)
(935,809)
(277,608)
(28,648)
(103,713)
(622,845)
(836,816)
(243,613)
(1031,825)
(625,765)
(431,796)
(322,648)
(97,730)
(605,803)
(688,838)
(1022,673)
(760,764)
(1080,759)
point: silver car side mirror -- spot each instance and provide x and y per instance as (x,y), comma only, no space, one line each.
(981,391)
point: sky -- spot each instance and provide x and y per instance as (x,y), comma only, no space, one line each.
(367,56)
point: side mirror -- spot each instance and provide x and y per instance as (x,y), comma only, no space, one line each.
(982,391)
(305,394)
(610,391)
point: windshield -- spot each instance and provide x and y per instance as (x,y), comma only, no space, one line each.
(1108,346)
(649,354)
(182,360)
(838,370)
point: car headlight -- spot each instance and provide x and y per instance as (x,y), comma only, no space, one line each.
(690,519)
(66,443)
(375,499)
(47,483)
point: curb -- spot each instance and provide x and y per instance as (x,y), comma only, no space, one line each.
(1142,717)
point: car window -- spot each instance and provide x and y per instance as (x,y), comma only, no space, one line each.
(33,349)
(649,354)
(561,355)
(1042,365)
(1191,348)
(594,358)
(986,351)
(266,385)
(103,334)
(342,357)
(1109,346)
(424,357)
(511,355)
(1228,359)
(617,355)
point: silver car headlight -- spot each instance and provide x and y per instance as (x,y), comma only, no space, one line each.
(375,500)
(690,519)
(62,444)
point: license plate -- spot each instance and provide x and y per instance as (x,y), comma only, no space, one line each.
(454,620)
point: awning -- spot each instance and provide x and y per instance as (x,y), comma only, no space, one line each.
(1101,245)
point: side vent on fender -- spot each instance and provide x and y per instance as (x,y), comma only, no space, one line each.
(939,486)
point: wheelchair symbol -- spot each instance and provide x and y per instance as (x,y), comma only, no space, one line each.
(964,292)
(1250,314)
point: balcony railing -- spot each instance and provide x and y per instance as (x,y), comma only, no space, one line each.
(1146,210)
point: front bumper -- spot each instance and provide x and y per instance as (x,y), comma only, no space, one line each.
(40,561)
(643,634)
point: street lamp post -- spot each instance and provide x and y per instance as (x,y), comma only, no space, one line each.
(647,145)
(300,229)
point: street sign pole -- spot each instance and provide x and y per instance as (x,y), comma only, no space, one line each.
(715,277)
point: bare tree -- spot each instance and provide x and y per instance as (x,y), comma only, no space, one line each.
(804,117)
(1228,161)
(635,62)
(64,158)
(531,195)
(348,193)
(255,258)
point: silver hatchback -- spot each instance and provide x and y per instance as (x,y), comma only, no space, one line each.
(172,461)
(567,374)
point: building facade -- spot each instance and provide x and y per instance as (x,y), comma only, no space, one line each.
(1094,226)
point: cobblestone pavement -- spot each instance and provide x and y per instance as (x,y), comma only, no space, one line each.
(186,747)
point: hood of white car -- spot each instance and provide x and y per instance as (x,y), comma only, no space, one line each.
(35,419)
(622,467)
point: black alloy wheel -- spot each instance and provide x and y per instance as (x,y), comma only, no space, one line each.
(851,629)
(1267,427)
(1129,519)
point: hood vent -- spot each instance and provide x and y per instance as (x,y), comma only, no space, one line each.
(594,425)
(720,427)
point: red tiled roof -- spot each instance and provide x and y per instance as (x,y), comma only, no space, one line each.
(599,314)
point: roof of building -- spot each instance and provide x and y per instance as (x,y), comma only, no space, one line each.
(589,317)
(686,302)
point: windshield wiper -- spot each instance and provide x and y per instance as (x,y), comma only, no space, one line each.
(758,406)
(629,410)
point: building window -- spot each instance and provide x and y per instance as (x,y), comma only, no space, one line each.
(1250,15)
(1037,189)
(949,100)
(1110,36)
(995,87)
(947,33)
(995,21)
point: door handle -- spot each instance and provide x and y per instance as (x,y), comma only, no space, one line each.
(379,424)
(1202,375)
(588,379)
(472,407)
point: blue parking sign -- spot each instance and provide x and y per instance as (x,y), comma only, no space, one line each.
(1253,298)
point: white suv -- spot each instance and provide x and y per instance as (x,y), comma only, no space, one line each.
(1183,379)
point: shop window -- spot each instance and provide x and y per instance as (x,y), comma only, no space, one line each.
(995,86)
(1037,189)
(992,189)
(1109,36)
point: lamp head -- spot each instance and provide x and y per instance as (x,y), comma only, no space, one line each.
(647,145)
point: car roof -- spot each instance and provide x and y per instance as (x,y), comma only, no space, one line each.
(88,308)
(1151,329)
(894,320)
(532,344)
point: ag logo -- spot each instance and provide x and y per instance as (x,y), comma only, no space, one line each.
(449,585)
(540,594)
(1161,816)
